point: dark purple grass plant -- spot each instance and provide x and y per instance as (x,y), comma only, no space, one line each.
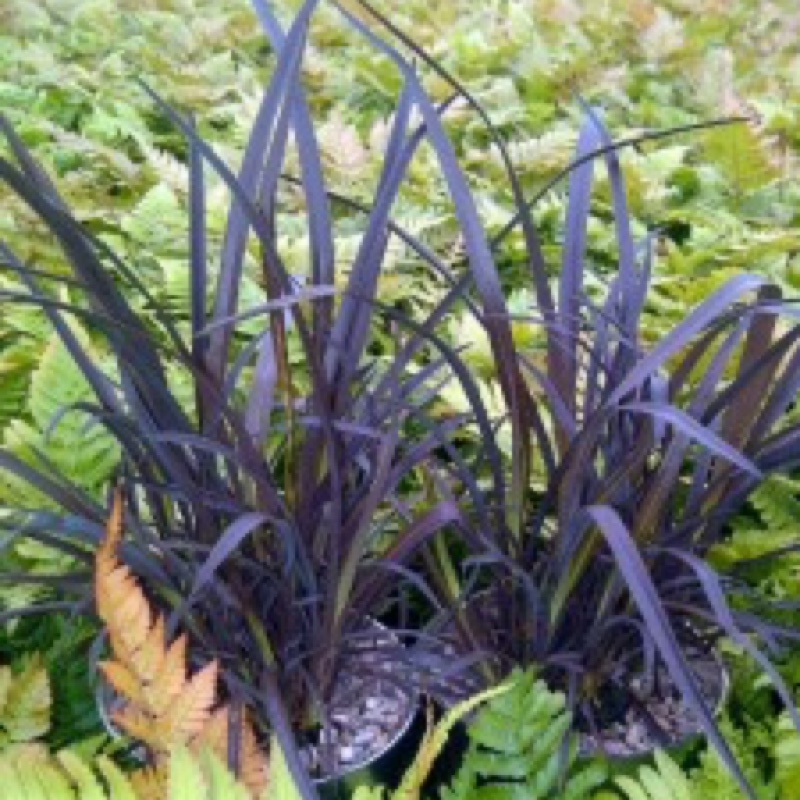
(257,517)
(266,520)
(648,452)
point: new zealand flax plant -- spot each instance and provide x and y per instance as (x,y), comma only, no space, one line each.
(647,451)
(257,511)
(273,505)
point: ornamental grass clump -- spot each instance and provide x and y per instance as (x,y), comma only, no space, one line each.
(274,501)
(284,478)
(647,452)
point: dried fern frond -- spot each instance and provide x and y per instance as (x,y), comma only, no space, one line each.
(164,707)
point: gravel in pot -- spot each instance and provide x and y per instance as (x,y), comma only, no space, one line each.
(374,727)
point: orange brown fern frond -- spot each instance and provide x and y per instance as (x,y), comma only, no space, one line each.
(163,706)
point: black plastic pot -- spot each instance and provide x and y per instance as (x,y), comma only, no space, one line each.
(458,741)
(683,744)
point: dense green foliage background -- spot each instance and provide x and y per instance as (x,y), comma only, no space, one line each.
(727,199)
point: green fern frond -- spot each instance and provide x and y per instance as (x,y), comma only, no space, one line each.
(750,746)
(741,155)
(31,772)
(787,758)
(777,507)
(72,441)
(663,781)
(202,778)
(666,780)
(25,702)
(515,749)
(157,222)
(777,501)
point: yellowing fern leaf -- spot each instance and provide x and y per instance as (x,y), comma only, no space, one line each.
(150,783)
(215,736)
(25,701)
(31,772)
(164,707)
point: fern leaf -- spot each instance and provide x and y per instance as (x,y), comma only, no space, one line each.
(632,789)
(192,708)
(673,776)
(30,772)
(25,711)
(122,680)
(515,749)
(164,707)
(89,788)
(584,781)
(665,780)
(54,783)
(221,783)
(119,787)
(169,681)
(75,443)
(435,739)
(740,154)
(776,500)
(787,758)
(162,712)
(751,746)
(186,781)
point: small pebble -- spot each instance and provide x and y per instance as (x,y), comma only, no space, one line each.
(346,753)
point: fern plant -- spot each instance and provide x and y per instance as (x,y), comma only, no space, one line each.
(32,773)
(53,430)
(71,439)
(786,752)
(25,702)
(664,780)
(516,749)
(29,770)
